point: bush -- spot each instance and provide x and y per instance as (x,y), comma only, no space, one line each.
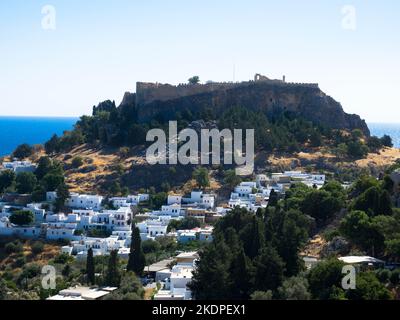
(383,275)
(37,247)
(22,218)
(26,182)
(77,162)
(62,258)
(23,151)
(395,277)
(262,295)
(150,246)
(19,262)
(13,247)
(31,270)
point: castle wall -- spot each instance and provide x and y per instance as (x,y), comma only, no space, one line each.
(150,92)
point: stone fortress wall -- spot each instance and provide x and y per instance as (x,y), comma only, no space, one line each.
(147,92)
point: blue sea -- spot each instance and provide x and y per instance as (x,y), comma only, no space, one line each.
(391,129)
(32,130)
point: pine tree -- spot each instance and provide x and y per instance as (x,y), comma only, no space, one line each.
(62,196)
(113,276)
(90,267)
(137,260)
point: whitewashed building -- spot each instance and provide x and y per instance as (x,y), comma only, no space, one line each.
(84,201)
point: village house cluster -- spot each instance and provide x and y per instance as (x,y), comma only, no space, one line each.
(87,215)
(253,195)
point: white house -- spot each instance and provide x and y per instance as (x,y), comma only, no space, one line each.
(19,166)
(173,210)
(120,202)
(84,201)
(38,213)
(243,191)
(151,229)
(208,201)
(180,276)
(174,199)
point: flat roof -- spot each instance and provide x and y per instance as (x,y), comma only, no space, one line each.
(158,266)
(360,259)
(82,293)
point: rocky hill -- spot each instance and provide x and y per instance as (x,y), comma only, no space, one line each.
(268,97)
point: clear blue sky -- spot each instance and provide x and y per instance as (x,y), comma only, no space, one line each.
(100,48)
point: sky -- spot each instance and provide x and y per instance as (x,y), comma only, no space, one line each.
(59,58)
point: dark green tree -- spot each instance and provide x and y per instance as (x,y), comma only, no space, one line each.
(325,279)
(194,80)
(273,198)
(45,165)
(321,205)
(113,275)
(231,179)
(387,141)
(26,182)
(201,177)
(211,279)
(241,274)
(269,270)
(294,288)
(7,179)
(90,267)
(22,217)
(23,151)
(62,195)
(369,288)
(137,260)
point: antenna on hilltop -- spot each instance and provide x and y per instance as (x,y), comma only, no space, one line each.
(234,72)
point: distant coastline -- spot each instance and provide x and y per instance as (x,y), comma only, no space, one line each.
(15,130)
(391,129)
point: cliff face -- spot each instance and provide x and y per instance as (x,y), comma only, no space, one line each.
(306,101)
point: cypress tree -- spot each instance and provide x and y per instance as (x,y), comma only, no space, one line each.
(113,275)
(273,199)
(90,267)
(137,260)
(241,275)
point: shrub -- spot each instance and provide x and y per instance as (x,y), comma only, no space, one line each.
(22,217)
(395,277)
(77,162)
(13,247)
(19,262)
(23,151)
(37,247)
(62,258)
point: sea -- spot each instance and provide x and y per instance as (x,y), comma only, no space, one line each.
(34,130)
(390,129)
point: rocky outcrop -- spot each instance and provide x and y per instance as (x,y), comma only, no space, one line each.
(337,246)
(307,101)
(128,99)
